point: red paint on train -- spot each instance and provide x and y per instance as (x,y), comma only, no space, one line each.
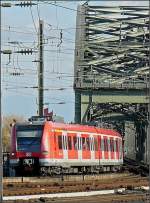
(66,145)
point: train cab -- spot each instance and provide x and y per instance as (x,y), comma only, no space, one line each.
(26,145)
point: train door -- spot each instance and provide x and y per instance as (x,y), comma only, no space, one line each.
(102,148)
(79,146)
(117,149)
(112,154)
(65,145)
(91,139)
(85,147)
(106,156)
(120,149)
(58,145)
(96,147)
(72,146)
(99,147)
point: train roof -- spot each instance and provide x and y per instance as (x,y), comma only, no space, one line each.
(72,127)
(82,128)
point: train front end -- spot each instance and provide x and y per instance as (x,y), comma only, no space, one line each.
(26,147)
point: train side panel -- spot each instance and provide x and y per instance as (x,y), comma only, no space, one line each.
(63,145)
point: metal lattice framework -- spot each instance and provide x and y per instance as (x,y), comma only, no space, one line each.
(111,47)
(112,71)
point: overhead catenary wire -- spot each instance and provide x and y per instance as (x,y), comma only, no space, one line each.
(32,94)
(38,11)
(33,20)
(53,28)
(23,45)
(60,6)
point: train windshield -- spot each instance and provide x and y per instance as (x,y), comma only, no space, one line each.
(29,138)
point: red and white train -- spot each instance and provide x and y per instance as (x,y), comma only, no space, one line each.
(52,148)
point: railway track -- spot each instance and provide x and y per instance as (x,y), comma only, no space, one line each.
(49,186)
(136,167)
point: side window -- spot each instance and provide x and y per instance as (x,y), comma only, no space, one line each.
(99,138)
(120,149)
(59,141)
(69,143)
(102,145)
(111,145)
(91,144)
(88,143)
(95,143)
(120,146)
(64,142)
(83,143)
(78,141)
(75,142)
(116,145)
(105,145)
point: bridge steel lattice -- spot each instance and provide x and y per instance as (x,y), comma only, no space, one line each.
(111,72)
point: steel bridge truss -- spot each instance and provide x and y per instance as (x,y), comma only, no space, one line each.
(111,71)
(112,47)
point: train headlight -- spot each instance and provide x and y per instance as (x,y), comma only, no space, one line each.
(45,152)
(12,154)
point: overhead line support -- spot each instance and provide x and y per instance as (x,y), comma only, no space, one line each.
(40,70)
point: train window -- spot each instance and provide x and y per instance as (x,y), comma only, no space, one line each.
(84,143)
(29,130)
(111,145)
(75,142)
(78,141)
(102,145)
(120,146)
(117,145)
(92,139)
(60,141)
(120,149)
(108,142)
(105,145)
(69,143)
(64,142)
(95,144)
(99,138)
(30,144)
(88,143)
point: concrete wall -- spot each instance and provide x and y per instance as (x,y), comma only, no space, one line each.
(130,140)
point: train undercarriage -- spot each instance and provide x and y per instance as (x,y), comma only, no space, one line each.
(32,167)
(59,170)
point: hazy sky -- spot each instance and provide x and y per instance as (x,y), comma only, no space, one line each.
(19,26)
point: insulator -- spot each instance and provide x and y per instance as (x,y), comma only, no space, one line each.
(7,52)
(16,74)
(6,5)
(25,4)
(25,51)
(22,51)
